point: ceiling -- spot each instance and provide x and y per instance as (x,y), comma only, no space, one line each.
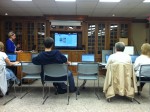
(91,8)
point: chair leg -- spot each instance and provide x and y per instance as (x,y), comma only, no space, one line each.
(68,97)
(77,90)
(45,96)
(95,90)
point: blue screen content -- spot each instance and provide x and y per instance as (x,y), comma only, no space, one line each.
(66,40)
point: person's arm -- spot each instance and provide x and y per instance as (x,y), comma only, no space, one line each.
(36,60)
(8,62)
(9,47)
(136,64)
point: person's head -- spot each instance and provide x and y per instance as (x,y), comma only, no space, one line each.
(48,42)
(120,46)
(12,35)
(145,49)
(1,46)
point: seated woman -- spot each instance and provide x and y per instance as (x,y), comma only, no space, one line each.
(5,60)
(144,58)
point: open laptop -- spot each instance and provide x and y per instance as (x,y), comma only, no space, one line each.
(12,57)
(133,57)
(106,59)
(88,58)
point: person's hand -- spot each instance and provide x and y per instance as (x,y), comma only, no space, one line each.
(16,62)
(18,51)
(68,62)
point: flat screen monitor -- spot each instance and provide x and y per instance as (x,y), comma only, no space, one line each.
(133,57)
(12,57)
(88,58)
(65,40)
(106,57)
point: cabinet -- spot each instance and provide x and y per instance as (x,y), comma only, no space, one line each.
(104,35)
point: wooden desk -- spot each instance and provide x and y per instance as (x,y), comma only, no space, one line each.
(23,56)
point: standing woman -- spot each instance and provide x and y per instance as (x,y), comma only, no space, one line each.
(144,58)
(10,45)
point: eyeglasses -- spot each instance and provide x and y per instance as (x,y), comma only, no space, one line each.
(13,34)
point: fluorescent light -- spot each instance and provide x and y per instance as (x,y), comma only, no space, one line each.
(65,0)
(146,1)
(109,0)
(22,0)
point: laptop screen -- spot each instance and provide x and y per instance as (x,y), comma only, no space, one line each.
(66,55)
(106,57)
(12,57)
(88,58)
(133,57)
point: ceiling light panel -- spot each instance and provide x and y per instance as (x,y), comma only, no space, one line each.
(22,0)
(109,0)
(146,1)
(65,0)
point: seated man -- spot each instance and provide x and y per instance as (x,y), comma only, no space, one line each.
(119,55)
(119,72)
(50,56)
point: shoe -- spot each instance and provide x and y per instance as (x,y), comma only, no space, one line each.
(19,84)
(1,96)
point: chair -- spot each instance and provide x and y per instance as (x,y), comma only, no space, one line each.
(29,71)
(4,84)
(87,71)
(56,71)
(120,79)
(144,74)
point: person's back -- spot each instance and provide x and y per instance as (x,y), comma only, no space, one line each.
(119,56)
(50,56)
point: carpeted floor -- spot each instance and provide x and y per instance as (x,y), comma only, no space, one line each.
(87,101)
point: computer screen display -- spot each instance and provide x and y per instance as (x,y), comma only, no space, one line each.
(88,58)
(106,57)
(133,57)
(12,57)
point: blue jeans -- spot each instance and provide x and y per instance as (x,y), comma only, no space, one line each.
(11,76)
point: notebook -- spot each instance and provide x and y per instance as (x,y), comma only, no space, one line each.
(12,57)
(66,55)
(87,58)
(133,57)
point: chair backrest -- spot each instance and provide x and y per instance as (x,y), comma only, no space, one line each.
(144,70)
(30,68)
(88,68)
(55,70)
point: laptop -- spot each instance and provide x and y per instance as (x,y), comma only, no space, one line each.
(34,55)
(106,57)
(133,57)
(66,55)
(88,58)
(12,57)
